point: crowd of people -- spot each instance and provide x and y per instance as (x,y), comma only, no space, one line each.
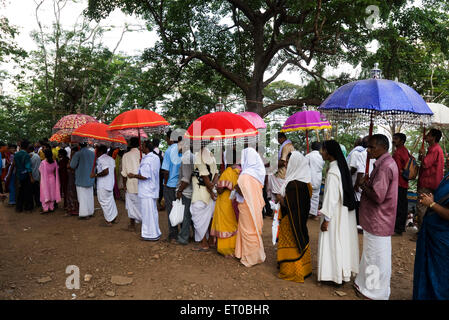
(224,206)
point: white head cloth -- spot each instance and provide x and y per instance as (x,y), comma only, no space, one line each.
(253,165)
(298,168)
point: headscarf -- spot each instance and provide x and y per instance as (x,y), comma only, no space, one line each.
(298,168)
(282,147)
(333,148)
(253,165)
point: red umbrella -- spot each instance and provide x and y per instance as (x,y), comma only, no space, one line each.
(148,120)
(96,132)
(72,121)
(144,119)
(221,126)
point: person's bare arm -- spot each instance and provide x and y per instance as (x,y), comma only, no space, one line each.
(209,186)
(136,176)
(239,191)
(427,200)
(281,164)
(353,170)
(103,173)
(165,175)
(124,183)
(358,181)
(181,189)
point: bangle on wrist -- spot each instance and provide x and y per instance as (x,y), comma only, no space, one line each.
(432,204)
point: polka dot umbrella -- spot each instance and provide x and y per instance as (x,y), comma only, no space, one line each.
(71,122)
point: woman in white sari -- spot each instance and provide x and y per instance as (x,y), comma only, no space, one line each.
(338,246)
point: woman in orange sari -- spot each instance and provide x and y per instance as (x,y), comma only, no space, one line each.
(293,253)
(249,245)
(224,223)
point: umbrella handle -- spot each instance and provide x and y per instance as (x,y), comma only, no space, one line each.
(307,140)
(140,145)
(423,136)
(368,158)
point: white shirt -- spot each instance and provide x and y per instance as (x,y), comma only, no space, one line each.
(316,163)
(149,168)
(358,161)
(130,164)
(105,182)
(69,151)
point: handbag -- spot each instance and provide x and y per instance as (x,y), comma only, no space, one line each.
(410,172)
(177,213)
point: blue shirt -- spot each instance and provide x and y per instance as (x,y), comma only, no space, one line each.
(172,163)
(82,162)
(23,164)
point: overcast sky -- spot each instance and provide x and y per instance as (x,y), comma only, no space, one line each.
(21,13)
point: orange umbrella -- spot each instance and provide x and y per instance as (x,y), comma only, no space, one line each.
(133,119)
(96,132)
(61,136)
(144,119)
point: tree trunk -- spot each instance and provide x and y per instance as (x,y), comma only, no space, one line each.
(254,99)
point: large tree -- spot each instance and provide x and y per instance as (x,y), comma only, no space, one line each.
(251,42)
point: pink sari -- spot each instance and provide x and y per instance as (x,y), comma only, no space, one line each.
(50,189)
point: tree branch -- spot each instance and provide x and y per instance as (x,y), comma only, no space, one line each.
(243,6)
(290,102)
(276,74)
(211,62)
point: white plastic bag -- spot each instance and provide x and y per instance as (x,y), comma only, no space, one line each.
(177,213)
(275,227)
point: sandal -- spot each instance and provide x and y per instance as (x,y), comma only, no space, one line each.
(201,249)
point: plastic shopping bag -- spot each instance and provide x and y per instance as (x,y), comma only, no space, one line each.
(275,227)
(177,213)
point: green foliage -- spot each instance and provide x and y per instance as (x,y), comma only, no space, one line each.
(8,47)
(242,40)
(414,48)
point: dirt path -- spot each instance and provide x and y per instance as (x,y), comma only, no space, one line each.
(37,248)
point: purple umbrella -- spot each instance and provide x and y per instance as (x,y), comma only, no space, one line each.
(306,120)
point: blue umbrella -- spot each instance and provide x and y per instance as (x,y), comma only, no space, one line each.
(388,100)
(391,100)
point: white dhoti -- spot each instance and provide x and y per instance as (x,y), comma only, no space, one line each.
(275,185)
(314,201)
(86,201)
(107,202)
(201,216)
(132,204)
(150,219)
(373,280)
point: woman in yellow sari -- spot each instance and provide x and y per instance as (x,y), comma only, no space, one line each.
(293,254)
(224,222)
